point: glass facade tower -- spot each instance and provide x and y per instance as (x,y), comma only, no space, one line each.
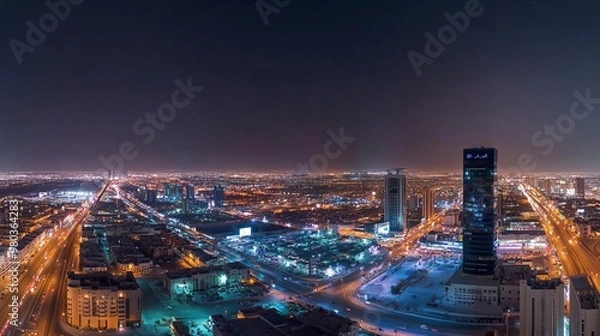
(480,239)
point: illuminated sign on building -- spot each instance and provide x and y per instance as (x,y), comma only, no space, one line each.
(245,232)
(477,156)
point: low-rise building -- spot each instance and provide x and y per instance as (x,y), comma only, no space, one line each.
(198,279)
(91,258)
(486,297)
(137,265)
(329,323)
(6,258)
(264,322)
(99,301)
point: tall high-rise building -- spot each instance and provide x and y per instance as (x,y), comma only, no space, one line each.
(500,205)
(187,205)
(542,307)
(190,193)
(480,239)
(173,192)
(580,187)
(413,202)
(219,195)
(394,207)
(427,209)
(151,196)
(548,186)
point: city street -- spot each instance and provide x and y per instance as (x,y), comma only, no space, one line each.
(576,257)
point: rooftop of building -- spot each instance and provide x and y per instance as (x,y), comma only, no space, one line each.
(232,228)
(257,326)
(542,283)
(587,295)
(514,272)
(474,280)
(101,280)
(132,260)
(327,321)
(186,273)
(252,311)
(309,330)
(272,316)
(200,253)
(180,328)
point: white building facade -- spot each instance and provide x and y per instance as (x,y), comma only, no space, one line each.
(542,307)
(103,302)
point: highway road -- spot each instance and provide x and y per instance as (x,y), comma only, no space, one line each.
(561,232)
(35,274)
(401,248)
(46,273)
(55,310)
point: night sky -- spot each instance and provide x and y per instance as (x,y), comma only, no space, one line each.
(272,91)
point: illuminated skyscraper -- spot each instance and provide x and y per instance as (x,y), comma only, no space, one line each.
(413,202)
(189,192)
(548,187)
(173,192)
(427,203)
(480,238)
(219,195)
(395,199)
(500,206)
(580,187)
(151,196)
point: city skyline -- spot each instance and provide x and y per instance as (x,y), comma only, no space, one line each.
(345,254)
(297,168)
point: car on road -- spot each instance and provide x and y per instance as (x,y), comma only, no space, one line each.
(348,309)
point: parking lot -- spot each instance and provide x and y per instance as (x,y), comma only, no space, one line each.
(412,285)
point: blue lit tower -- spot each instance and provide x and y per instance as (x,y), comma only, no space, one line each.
(394,208)
(480,238)
(189,192)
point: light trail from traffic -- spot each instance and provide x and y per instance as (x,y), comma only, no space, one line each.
(575,256)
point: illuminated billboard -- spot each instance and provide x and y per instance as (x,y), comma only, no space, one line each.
(383,228)
(245,231)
